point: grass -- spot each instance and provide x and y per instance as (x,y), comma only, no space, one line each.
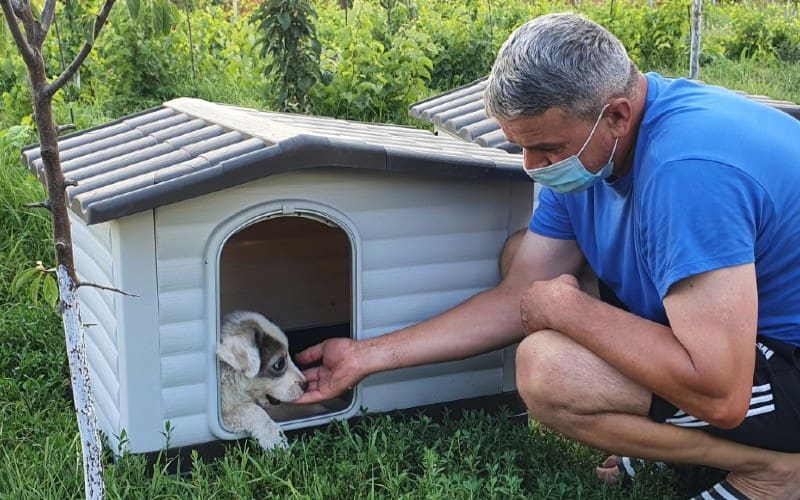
(477,454)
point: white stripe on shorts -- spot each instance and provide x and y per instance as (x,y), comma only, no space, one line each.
(757,407)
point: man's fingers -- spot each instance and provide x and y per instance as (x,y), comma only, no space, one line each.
(310,397)
(312,377)
(310,355)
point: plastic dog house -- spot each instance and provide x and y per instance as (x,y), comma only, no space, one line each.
(327,227)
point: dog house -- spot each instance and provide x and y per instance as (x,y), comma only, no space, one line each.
(327,227)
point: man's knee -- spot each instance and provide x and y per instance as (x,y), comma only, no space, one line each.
(510,248)
(543,365)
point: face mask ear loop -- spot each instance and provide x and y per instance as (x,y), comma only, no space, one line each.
(613,150)
(596,123)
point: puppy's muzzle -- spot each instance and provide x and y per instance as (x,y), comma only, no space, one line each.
(275,401)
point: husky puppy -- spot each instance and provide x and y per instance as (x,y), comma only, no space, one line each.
(255,368)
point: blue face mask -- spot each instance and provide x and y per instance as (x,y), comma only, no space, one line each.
(569,175)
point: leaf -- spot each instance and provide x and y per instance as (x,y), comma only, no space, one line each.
(285,19)
(22,278)
(33,290)
(88,31)
(134,8)
(50,290)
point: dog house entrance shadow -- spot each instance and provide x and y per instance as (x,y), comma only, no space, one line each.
(297,271)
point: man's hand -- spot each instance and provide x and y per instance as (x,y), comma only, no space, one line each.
(540,300)
(337,372)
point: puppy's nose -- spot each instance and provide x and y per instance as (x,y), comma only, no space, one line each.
(304,386)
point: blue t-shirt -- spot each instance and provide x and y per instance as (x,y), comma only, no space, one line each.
(715,183)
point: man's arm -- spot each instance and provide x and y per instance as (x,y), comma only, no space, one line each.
(703,364)
(489,320)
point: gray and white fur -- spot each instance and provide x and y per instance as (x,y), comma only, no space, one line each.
(255,368)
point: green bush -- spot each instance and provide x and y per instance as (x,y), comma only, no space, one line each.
(381,55)
(376,71)
(654,36)
(756,31)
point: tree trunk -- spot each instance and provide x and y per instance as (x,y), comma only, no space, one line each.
(81,386)
(67,281)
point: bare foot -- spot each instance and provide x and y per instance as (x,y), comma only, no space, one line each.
(779,482)
(608,471)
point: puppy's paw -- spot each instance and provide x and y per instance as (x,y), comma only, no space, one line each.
(274,442)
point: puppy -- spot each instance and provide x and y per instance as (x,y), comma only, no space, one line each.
(255,366)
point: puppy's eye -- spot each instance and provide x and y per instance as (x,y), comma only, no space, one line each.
(279,365)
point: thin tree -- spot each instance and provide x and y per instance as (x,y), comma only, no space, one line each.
(29,34)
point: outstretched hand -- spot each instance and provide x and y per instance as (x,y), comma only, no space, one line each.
(337,372)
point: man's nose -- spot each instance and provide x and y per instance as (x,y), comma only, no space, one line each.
(532,160)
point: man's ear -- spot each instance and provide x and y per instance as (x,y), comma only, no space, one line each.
(620,114)
(240,352)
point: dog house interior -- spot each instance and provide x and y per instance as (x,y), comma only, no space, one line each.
(297,271)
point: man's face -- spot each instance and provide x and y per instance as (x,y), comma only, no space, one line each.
(552,136)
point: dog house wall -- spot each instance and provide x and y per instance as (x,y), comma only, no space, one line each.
(420,244)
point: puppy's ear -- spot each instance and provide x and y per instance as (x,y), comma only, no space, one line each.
(240,352)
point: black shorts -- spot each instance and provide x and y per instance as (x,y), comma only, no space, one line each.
(773,420)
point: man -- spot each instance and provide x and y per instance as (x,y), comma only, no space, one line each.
(685,201)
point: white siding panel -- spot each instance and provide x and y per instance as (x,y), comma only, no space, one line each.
(180,274)
(181,305)
(177,240)
(445,247)
(398,281)
(94,263)
(184,337)
(411,308)
(137,317)
(184,400)
(425,220)
(188,430)
(97,315)
(104,371)
(93,238)
(88,268)
(429,390)
(183,369)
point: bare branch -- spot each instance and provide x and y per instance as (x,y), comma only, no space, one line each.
(85,50)
(10,9)
(103,287)
(70,183)
(41,204)
(48,13)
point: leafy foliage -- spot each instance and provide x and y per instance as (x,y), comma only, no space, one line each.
(366,62)
(288,40)
(376,72)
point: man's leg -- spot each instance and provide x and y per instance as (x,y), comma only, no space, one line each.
(567,388)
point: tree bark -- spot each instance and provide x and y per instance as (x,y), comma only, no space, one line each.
(81,386)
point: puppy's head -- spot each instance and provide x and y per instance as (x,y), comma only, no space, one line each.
(257,348)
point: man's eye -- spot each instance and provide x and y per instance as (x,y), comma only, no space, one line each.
(279,365)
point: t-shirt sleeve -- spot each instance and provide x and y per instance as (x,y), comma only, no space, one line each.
(551,217)
(698,216)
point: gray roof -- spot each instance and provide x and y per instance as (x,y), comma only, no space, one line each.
(190,147)
(460,112)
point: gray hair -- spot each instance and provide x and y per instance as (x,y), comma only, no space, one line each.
(561,60)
